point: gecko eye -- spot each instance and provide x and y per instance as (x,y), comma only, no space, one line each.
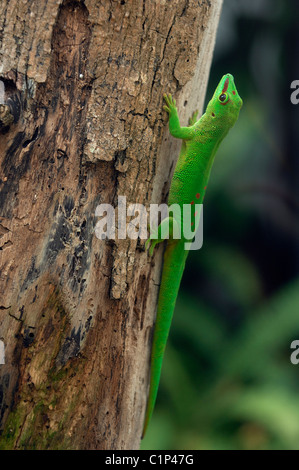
(223,97)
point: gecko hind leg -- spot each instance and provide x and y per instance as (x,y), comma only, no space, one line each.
(168,229)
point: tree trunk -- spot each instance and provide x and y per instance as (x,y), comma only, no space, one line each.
(81,123)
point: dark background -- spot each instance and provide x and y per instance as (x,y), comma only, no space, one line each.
(227,379)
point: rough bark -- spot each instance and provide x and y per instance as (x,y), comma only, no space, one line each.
(81,123)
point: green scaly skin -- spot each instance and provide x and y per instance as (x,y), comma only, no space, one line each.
(200,143)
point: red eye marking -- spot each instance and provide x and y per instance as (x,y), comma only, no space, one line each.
(225,85)
(213,114)
(205,188)
(192,202)
(192,223)
(197,196)
(234,92)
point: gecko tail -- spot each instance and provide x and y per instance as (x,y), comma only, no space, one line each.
(156,364)
(173,268)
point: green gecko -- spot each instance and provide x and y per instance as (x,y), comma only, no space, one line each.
(200,143)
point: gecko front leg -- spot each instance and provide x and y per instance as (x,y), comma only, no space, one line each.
(184,133)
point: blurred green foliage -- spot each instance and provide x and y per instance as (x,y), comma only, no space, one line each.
(226,388)
(227,379)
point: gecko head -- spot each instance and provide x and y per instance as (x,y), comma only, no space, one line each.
(226,103)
